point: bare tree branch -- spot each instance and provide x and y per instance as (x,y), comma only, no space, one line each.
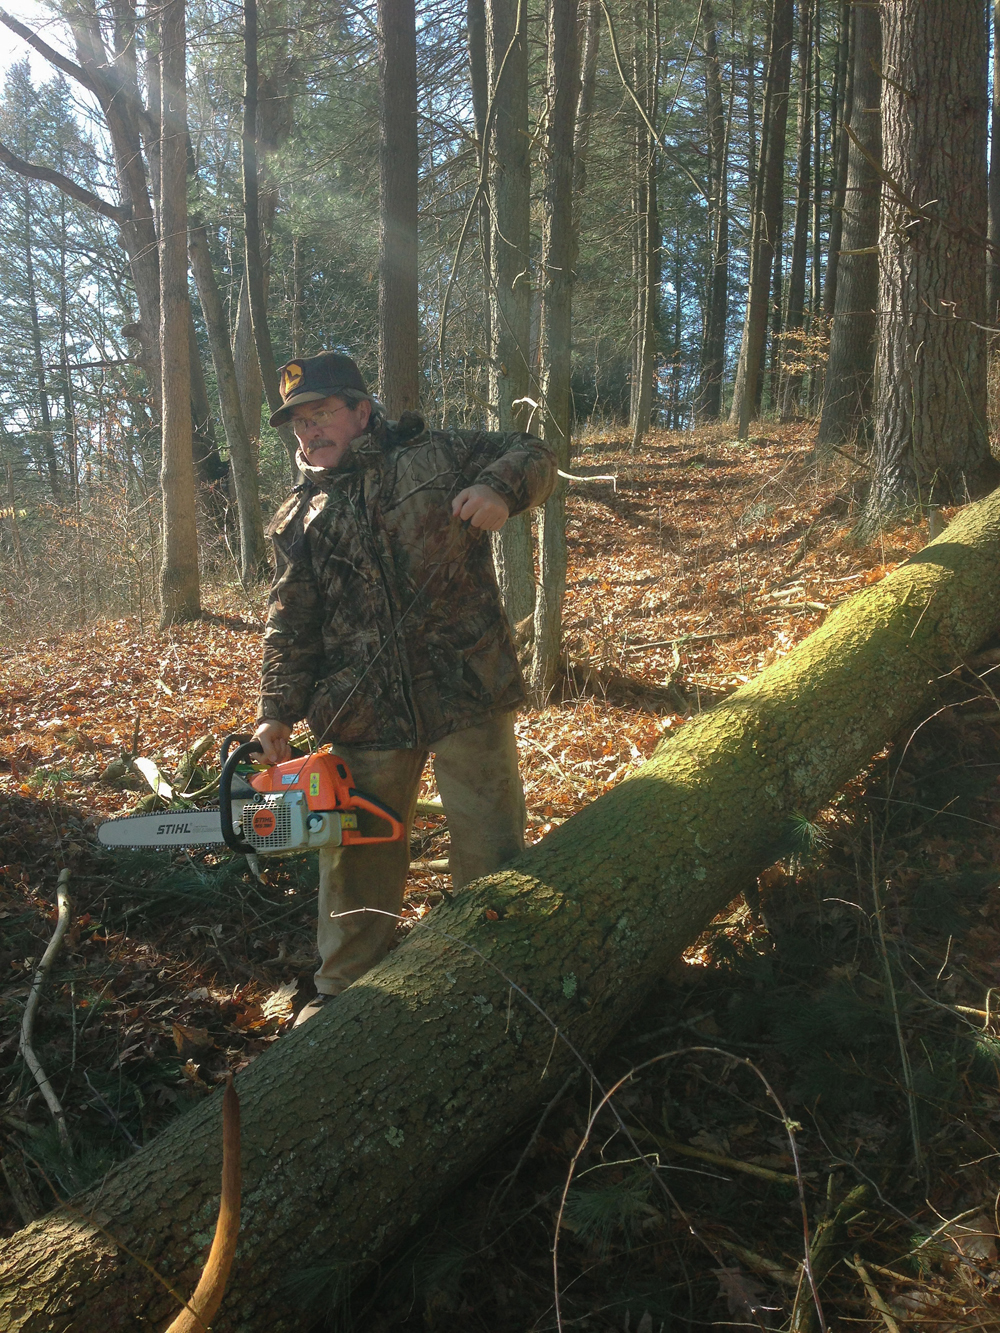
(53,56)
(106,84)
(70,187)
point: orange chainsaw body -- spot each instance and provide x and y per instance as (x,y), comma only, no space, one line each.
(323,782)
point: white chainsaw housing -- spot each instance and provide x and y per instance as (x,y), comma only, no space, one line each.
(292,825)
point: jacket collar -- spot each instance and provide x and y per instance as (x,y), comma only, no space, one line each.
(367,452)
(363,455)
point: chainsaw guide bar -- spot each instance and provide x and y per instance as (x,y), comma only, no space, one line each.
(167,828)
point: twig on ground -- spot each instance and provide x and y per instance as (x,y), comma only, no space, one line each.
(759,1263)
(25,1047)
(912,1281)
(873,1294)
(825,1250)
(719,1159)
(911,1097)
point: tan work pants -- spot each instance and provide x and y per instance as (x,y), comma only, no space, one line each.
(477,776)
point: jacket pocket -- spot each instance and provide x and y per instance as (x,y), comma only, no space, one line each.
(343,709)
(489,667)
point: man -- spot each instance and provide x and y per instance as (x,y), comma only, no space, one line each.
(385,630)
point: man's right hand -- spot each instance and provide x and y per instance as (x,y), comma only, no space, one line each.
(274,738)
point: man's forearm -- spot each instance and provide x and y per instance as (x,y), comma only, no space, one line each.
(524,474)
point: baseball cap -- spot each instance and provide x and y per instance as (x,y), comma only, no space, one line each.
(307,379)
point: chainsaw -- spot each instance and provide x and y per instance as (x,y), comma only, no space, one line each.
(303,804)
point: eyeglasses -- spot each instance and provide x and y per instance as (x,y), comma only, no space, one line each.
(303,425)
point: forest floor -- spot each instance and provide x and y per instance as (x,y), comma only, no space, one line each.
(860,977)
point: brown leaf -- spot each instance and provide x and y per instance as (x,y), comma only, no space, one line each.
(189,1041)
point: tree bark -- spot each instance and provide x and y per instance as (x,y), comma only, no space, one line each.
(208,465)
(127,128)
(708,404)
(646,220)
(796,318)
(559,255)
(180,593)
(398,319)
(256,281)
(510,274)
(44,415)
(993,259)
(841,114)
(479,80)
(357,1124)
(931,441)
(847,391)
(767,216)
(590,42)
(253,547)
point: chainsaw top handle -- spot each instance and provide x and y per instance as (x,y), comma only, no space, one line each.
(230,759)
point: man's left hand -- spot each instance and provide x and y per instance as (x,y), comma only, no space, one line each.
(480,507)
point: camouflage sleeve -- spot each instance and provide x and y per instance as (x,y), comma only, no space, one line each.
(517,466)
(293,636)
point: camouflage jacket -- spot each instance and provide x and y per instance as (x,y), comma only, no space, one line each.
(384,625)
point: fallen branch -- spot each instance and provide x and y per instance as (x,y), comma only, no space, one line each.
(25,1048)
(873,1294)
(199,1311)
(828,1242)
(759,1263)
(718,1159)
(603,476)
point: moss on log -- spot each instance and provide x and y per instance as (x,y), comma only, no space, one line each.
(357,1123)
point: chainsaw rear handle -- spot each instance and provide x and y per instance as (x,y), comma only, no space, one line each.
(230,761)
(359,801)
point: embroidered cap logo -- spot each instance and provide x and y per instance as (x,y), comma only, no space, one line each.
(291,378)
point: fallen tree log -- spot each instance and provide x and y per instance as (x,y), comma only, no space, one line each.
(358,1122)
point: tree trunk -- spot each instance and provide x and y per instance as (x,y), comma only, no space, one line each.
(126,131)
(208,465)
(767,217)
(355,1125)
(841,115)
(255,277)
(179,585)
(932,445)
(847,392)
(479,81)
(816,273)
(44,415)
(559,255)
(993,259)
(247,367)
(590,42)
(776,312)
(510,274)
(253,547)
(398,320)
(646,220)
(796,318)
(708,404)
